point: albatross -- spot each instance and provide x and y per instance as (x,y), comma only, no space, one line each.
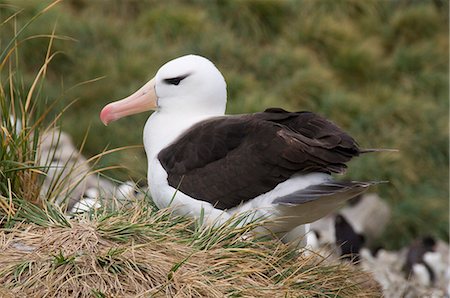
(201,162)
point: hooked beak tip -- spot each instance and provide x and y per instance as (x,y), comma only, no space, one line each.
(105,115)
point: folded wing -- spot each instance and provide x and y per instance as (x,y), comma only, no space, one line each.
(231,159)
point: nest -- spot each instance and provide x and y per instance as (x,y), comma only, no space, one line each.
(145,253)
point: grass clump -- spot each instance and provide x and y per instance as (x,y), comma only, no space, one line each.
(20,171)
(140,251)
(37,179)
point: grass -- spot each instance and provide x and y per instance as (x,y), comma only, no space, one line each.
(379,69)
(28,123)
(144,252)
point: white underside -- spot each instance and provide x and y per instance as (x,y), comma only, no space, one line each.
(164,195)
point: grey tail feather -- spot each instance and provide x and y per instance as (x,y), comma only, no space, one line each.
(368,150)
(315,201)
(343,189)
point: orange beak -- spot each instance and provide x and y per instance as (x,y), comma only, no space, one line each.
(144,99)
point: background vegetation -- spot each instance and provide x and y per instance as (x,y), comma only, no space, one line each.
(379,69)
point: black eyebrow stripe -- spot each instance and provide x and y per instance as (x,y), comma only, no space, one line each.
(176,80)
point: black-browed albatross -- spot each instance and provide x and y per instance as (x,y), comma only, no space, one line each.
(201,161)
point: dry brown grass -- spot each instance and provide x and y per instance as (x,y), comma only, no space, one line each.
(140,252)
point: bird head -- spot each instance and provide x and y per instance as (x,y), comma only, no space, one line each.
(186,85)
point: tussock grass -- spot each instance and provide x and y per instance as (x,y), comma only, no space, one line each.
(20,127)
(35,175)
(142,252)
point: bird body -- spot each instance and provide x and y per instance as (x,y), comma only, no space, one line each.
(277,164)
(160,131)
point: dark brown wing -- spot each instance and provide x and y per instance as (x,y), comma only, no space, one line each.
(232,159)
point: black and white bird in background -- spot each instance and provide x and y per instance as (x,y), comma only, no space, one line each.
(275,163)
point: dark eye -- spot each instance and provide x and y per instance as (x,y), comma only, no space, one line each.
(175,81)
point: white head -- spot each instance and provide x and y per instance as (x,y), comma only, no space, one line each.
(187,85)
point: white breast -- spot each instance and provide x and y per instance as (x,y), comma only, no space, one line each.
(159,132)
